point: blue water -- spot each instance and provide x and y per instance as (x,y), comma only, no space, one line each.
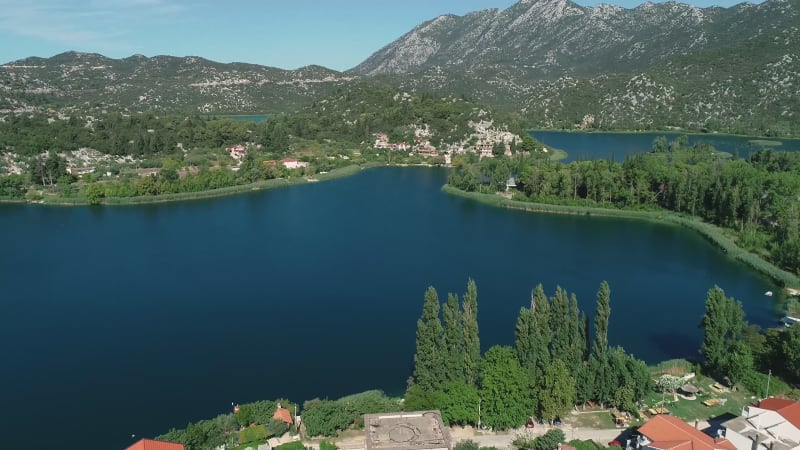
(132,320)
(620,145)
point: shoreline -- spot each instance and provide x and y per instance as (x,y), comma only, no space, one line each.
(263,185)
(710,232)
(669,132)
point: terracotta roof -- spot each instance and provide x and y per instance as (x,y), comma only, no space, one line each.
(790,410)
(671,433)
(284,415)
(149,444)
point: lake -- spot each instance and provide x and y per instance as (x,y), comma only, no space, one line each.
(132,320)
(620,145)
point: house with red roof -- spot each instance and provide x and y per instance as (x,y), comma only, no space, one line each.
(671,433)
(283,414)
(771,424)
(150,444)
(237,151)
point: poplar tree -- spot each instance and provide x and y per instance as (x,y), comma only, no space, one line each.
(558,393)
(472,344)
(524,339)
(723,325)
(541,324)
(576,342)
(559,324)
(603,312)
(428,361)
(453,339)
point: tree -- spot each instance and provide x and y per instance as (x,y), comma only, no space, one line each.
(549,440)
(723,325)
(505,402)
(472,344)
(459,403)
(790,347)
(557,395)
(326,417)
(453,339)
(560,347)
(603,312)
(668,383)
(428,360)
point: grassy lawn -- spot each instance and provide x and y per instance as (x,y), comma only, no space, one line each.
(690,410)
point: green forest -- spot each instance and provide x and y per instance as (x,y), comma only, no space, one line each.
(755,199)
(560,359)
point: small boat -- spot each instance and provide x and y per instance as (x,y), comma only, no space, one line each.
(768,293)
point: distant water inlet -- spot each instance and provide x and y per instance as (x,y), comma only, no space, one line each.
(132,320)
(581,145)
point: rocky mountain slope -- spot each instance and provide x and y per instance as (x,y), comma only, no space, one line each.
(752,86)
(160,83)
(551,62)
(538,39)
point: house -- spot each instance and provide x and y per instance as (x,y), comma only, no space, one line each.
(381,140)
(150,444)
(78,171)
(148,172)
(237,151)
(771,424)
(270,163)
(291,163)
(283,414)
(671,433)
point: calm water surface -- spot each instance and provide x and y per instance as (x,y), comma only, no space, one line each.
(620,145)
(131,320)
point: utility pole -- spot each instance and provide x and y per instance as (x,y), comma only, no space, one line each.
(769,375)
(479,413)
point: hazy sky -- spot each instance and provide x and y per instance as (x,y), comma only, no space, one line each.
(282,33)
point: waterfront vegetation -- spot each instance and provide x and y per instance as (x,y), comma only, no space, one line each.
(752,202)
(553,367)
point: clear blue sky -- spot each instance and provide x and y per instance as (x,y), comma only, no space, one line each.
(282,33)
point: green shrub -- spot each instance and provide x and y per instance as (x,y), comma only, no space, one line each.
(469,444)
(756,383)
(254,433)
(325,445)
(296,445)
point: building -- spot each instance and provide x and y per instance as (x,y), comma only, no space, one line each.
(670,433)
(420,430)
(283,414)
(150,444)
(78,171)
(237,151)
(291,163)
(381,140)
(771,424)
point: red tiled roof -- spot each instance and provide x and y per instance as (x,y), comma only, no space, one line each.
(289,160)
(790,410)
(284,415)
(671,433)
(149,444)
(671,445)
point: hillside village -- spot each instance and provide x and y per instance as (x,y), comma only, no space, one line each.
(486,141)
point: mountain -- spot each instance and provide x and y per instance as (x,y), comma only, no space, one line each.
(546,39)
(161,83)
(552,63)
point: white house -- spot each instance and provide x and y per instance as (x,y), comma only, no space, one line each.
(771,424)
(291,163)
